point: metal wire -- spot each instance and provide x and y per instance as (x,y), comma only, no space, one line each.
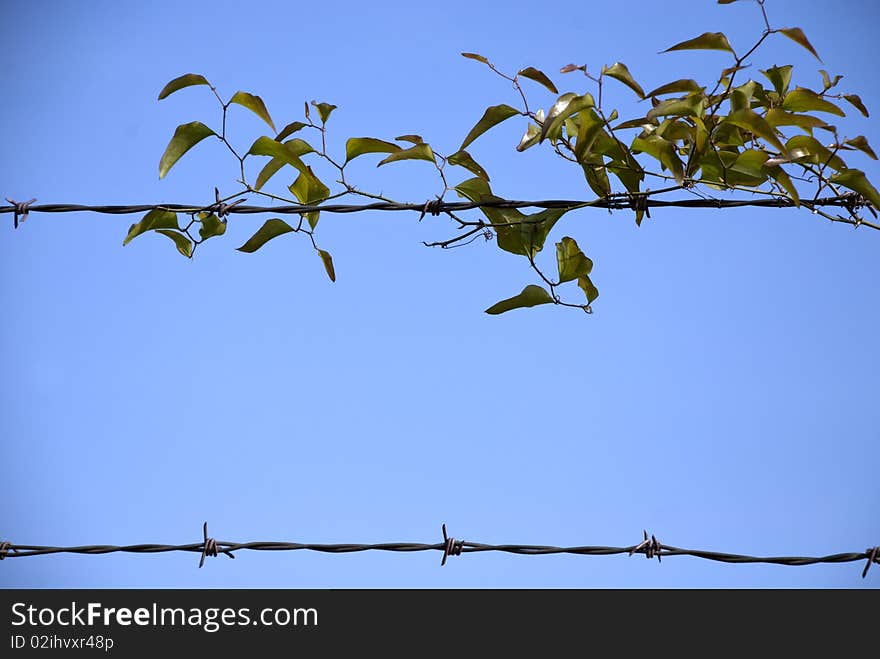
(449,547)
(612,203)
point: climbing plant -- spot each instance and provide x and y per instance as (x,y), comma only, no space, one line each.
(747,131)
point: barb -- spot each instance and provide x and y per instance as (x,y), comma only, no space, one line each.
(651,547)
(210,547)
(451,546)
(20,208)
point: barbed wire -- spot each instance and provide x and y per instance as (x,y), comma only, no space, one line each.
(613,202)
(650,547)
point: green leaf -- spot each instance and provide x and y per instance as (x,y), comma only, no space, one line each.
(538,76)
(706,41)
(357,146)
(269,170)
(186,80)
(690,106)
(678,86)
(288,152)
(571,261)
(295,146)
(324,110)
(597,178)
(515,232)
(415,152)
(412,139)
(565,106)
(492,116)
(797,35)
(271,229)
(861,143)
(779,77)
(309,190)
(663,151)
(479,58)
(755,123)
(827,81)
(530,138)
(589,290)
(289,130)
(805,100)
(804,148)
(591,126)
(751,163)
(855,179)
(618,71)
(155,219)
(856,101)
(328,264)
(530,296)
(254,104)
(184,245)
(211,226)
(779,117)
(783,179)
(463,159)
(186,136)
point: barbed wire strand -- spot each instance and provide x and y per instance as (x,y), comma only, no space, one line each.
(650,547)
(611,203)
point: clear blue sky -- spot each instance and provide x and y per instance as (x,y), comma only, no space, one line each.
(722,395)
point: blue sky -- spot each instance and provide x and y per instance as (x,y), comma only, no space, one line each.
(721,395)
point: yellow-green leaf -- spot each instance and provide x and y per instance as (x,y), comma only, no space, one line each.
(529,297)
(797,35)
(755,123)
(783,179)
(186,80)
(290,129)
(804,148)
(211,226)
(805,100)
(416,152)
(296,147)
(324,110)
(779,117)
(328,264)
(676,87)
(571,261)
(184,245)
(185,137)
(565,106)
(155,219)
(677,107)
(779,77)
(492,116)
(271,229)
(254,104)
(538,76)
(474,56)
(463,159)
(357,146)
(309,190)
(706,41)
(855,179)
(856,101)
(618,71)
(288,152)
(588,288)
(529,138)
(861,143)
(412,139)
